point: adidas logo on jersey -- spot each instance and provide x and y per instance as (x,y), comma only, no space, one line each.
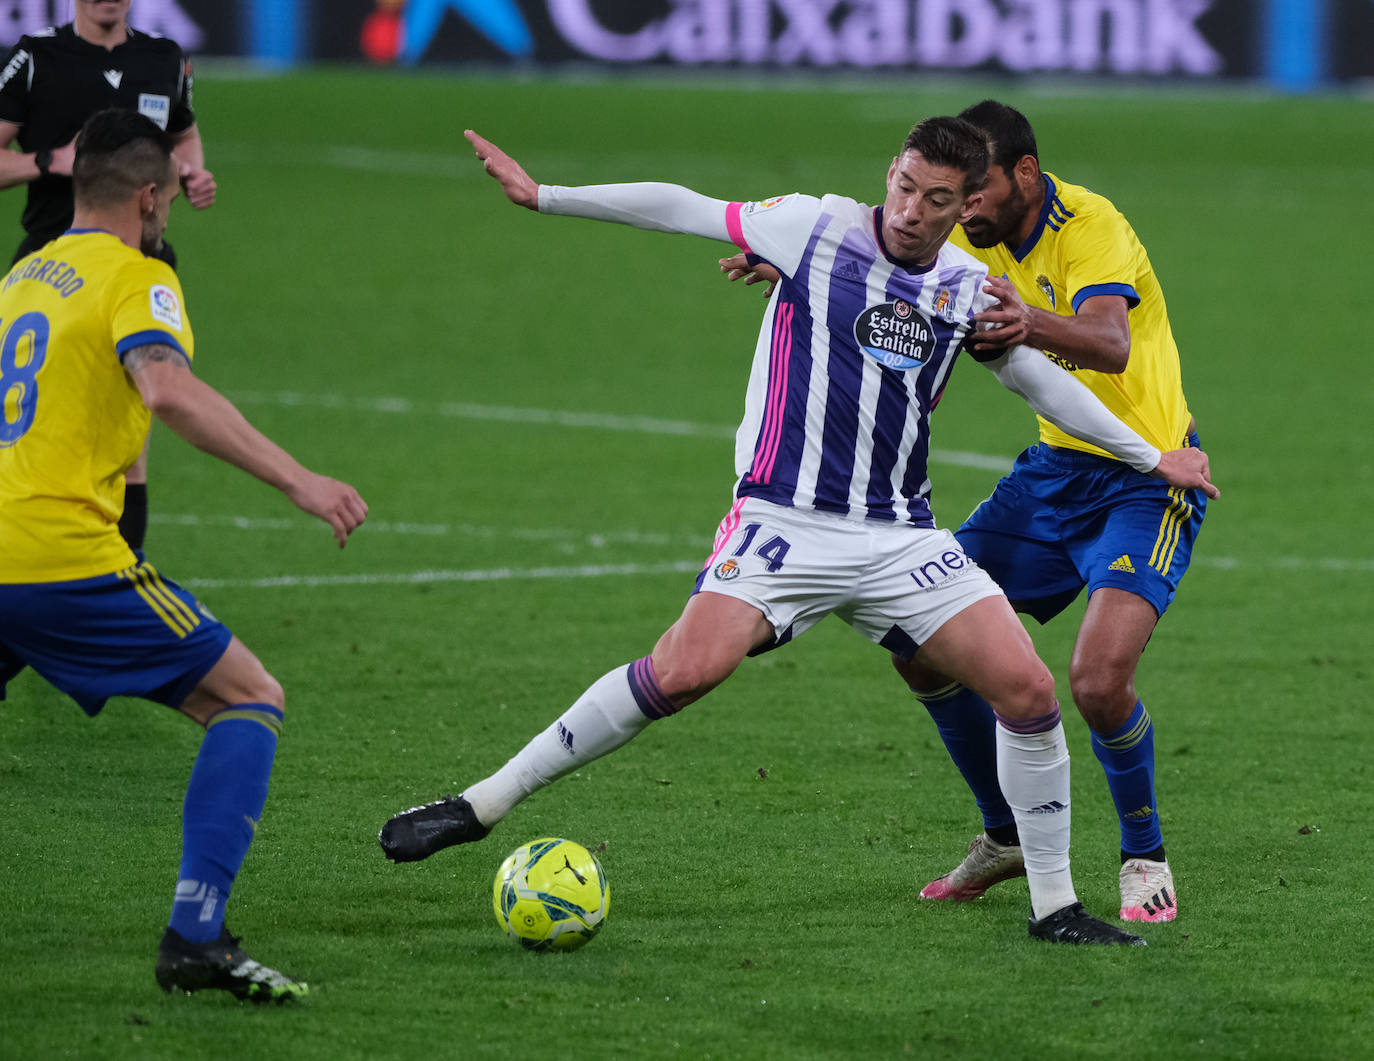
(850,271)
(1122,563)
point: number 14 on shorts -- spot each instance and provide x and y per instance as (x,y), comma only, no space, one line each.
(773,550)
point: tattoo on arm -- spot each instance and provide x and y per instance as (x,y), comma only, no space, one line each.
(144,355)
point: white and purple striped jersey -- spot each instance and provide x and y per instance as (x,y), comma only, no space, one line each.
(853,355)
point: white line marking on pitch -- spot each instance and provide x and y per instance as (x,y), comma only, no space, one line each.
(500,574)
(560,536)
(644,425)
(680,567)
(566,540)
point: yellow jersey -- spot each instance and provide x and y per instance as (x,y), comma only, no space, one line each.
(71,419)
(1081,247)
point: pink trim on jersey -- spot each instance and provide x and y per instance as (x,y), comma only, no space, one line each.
(767,453)
(736,230)
(723,532)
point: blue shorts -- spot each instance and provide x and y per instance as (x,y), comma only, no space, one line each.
(132,633)
(1063,519)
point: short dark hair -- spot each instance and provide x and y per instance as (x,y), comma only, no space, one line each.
(118,151)
(946,141)
(1009,130)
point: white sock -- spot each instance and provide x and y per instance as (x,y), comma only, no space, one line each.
(1033,770)
(603,718)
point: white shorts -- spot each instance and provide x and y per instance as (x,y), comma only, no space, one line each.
(894,583)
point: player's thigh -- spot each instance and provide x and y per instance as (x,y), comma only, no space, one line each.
(985,648)
(926,601)
(706,644)
(238,678)
(1115,629)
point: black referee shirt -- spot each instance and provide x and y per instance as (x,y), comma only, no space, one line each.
(52,81)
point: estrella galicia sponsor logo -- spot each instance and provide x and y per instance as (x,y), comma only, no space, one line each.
(727,570)
(895,335)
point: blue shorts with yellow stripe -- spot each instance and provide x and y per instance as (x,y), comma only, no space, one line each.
(131,633)
(1063,519)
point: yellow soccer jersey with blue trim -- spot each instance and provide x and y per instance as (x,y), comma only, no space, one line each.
(71,419)
(1081,247)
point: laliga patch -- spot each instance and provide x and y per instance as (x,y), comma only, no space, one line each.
(164,306)
(156,108)
(764,204)
(895,335)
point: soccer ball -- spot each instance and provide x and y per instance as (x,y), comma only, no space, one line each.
(551,894)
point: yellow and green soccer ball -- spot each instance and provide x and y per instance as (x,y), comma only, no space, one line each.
(551,894)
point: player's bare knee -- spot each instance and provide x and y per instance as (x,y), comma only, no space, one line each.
(917,675)
(688,680)
(1027,695)
(269,691)
(1104,697)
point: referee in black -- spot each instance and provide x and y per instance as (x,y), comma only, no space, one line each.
(51,82)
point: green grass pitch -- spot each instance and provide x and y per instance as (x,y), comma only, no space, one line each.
(539,412)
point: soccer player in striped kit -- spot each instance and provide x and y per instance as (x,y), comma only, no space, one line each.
(1072,278)
(831,512)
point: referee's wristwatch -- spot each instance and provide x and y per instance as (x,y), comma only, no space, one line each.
(43,159)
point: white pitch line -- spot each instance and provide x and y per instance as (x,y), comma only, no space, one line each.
(567,540)
(509,414)
(500,574)
(562,537)
(679,567)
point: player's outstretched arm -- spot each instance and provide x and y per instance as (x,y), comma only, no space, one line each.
(1070,406)
(651,205)
(209,421)
(515,182)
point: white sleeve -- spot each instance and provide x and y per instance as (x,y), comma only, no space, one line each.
(661,207)
(779,229)
(1070,406)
